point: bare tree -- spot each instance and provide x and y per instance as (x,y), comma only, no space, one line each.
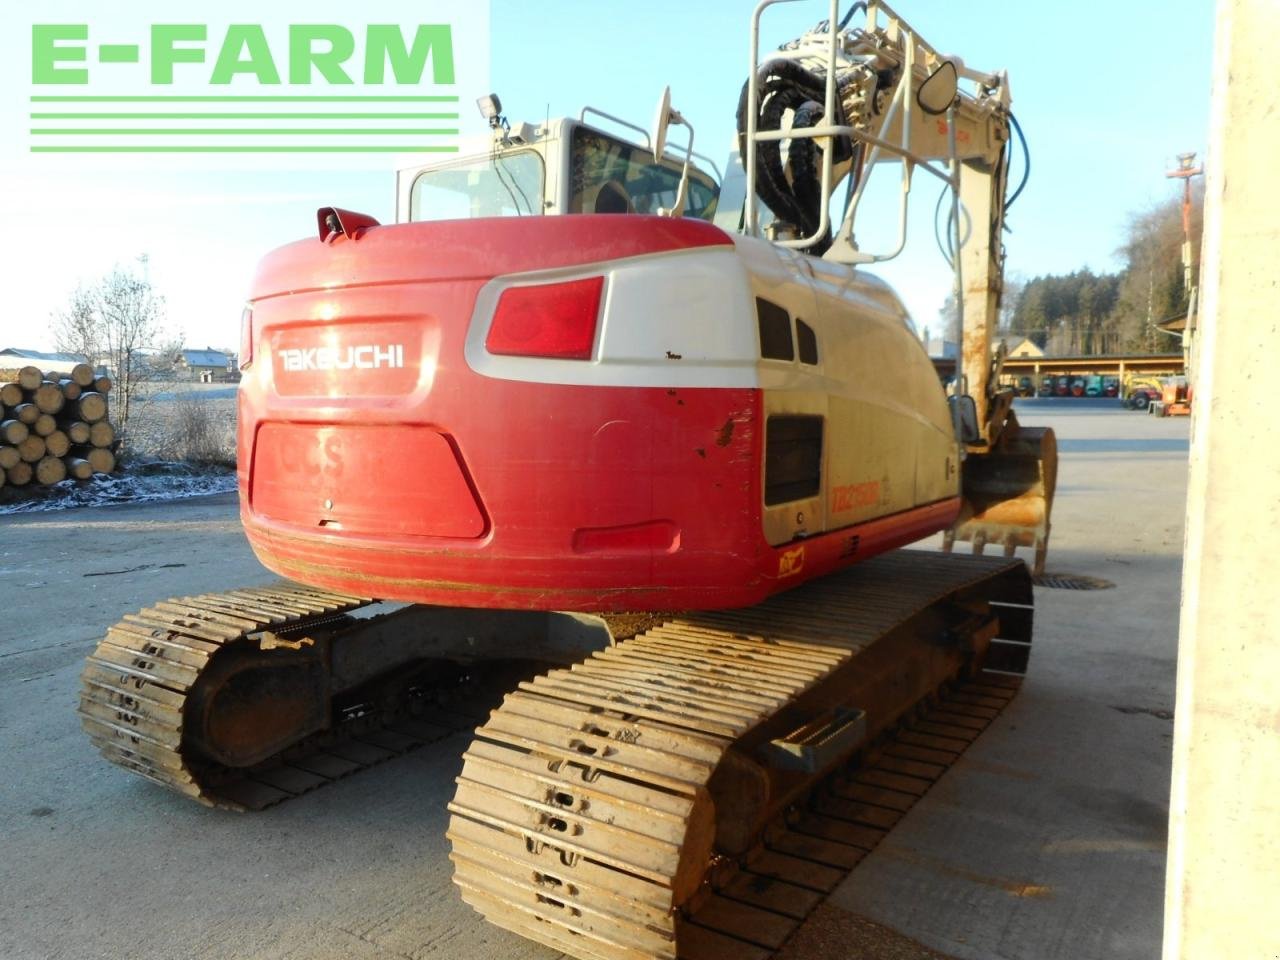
(1152,289)
(1014,286)
(130,314)
(76,329)
(116,323)
(168,356)
(951,321)
(949,317)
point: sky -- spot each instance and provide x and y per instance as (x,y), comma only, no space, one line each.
(1107,94)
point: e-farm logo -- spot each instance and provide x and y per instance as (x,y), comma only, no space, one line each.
(294,88)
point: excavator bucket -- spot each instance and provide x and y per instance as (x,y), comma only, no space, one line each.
(1008,494)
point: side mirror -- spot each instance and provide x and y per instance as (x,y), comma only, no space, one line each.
(661,119)
(964,415)
(939,89)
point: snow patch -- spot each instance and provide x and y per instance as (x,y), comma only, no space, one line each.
(142,481)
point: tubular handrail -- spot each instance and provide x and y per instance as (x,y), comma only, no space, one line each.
(907,46)
(671,153)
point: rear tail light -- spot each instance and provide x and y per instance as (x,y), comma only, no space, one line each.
(547,320)
(246,338)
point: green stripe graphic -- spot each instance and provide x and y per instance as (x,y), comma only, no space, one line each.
(243,131)
(404,148)
(245,99)
(244,116)
(120,52)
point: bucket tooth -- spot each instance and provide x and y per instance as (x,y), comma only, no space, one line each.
(1007,494)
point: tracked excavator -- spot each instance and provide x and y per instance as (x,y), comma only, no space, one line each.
(591,405)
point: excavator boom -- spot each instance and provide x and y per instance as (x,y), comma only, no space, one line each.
(887,96)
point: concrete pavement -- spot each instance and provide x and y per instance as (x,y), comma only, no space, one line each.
(1046,840)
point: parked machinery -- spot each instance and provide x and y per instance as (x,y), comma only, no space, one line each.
(1174,399)
(1139,393)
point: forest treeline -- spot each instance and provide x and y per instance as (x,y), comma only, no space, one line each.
(1086,314)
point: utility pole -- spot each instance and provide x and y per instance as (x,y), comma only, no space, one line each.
(1186,170)
(1151,323)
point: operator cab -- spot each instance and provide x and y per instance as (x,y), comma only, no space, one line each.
(565,166)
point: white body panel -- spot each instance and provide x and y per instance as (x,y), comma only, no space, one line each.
(645,336)
(689,319)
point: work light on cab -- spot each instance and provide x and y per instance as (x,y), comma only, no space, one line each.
(555,320)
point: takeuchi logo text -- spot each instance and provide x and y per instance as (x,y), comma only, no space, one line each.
(365,357)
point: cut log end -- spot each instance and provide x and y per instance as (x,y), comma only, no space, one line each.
(48,397)
(19,475)
(44,425)
(32,449)
(13,432)
(50,470)
(57,444)
(82,375)
(102,434)
(101,460)
(30,378)
(78,469)
(93,407)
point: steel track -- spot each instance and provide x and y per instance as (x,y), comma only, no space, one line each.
(750,908)
(584,818)
(136,683)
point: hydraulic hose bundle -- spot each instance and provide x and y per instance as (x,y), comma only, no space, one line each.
(792,186)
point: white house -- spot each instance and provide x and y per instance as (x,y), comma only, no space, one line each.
(15,357)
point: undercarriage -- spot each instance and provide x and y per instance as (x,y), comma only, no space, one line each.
(637,769)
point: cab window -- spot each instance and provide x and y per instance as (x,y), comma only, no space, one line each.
(497,185)
(610,176)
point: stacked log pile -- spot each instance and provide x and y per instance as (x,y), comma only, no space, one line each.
(53,427)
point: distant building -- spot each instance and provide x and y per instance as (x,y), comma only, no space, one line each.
(942,349)
(13,357)
(1025,347)
(205,364)
(1175,326)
